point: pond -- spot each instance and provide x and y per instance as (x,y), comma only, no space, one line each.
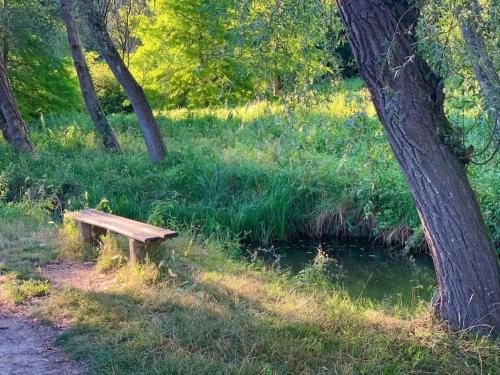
(373,274)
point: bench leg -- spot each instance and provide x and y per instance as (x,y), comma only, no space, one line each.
(97,232)
(91,233)
(86,231)
(137,250)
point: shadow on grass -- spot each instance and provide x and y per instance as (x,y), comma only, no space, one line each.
(212,327)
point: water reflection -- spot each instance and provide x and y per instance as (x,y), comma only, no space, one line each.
(371,273)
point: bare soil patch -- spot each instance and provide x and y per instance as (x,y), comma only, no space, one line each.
(26,347)
(83,276)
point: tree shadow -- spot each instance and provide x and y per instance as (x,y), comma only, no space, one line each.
(210,326)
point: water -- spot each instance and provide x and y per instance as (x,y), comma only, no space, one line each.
(370,273)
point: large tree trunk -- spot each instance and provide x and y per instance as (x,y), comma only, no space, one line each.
(133,90)
(470,18)
(13,128)
(409,102)
(86,84)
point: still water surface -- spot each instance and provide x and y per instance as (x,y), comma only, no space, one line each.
(374,274)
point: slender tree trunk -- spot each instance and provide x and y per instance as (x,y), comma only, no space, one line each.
(470,18)
(133,90)
(409,102)
(86,84)
(276,88)
(13,128)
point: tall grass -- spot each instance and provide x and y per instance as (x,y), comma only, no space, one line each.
(260,172)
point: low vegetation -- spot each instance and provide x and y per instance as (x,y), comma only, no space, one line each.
(261,172)
(200,309)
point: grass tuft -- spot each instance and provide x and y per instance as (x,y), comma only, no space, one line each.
(71,241)
(112,253)
(17,290)
(138,276)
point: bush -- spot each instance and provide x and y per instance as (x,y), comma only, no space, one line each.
(110,94)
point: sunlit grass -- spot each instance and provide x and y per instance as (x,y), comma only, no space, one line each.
(18,290)
(198,309)
(261,172)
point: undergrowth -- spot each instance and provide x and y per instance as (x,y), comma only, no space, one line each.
(19,290)
(261,172)
(197,309)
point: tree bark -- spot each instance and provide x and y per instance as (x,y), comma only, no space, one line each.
(135,93)
(5,41)
(276,88)
(13,128)
(470,18)
(86,84)
(3,127)
(409,102)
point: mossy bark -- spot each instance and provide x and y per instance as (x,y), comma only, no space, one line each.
(409,100)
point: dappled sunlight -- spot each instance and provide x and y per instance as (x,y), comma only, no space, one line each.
(267,297)
(250,187)
(204,312)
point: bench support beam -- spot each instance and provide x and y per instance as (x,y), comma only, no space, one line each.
(86,231)
(91,233)
(137,250)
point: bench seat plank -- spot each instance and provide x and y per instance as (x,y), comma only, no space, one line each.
(130,228)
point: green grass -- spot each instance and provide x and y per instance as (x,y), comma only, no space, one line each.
(261,172)
(200,310)
(19,290)
(26,239)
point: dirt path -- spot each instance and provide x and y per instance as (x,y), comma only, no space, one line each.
(26,348)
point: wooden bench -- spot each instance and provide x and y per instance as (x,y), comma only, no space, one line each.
(94,223)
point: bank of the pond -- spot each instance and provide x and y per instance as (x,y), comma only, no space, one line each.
(198,309)
(260,172)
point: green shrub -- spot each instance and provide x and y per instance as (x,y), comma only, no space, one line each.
(110,94)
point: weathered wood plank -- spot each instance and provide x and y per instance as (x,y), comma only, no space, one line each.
(130,228)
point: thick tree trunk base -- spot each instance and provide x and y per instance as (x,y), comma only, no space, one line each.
(409,101)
